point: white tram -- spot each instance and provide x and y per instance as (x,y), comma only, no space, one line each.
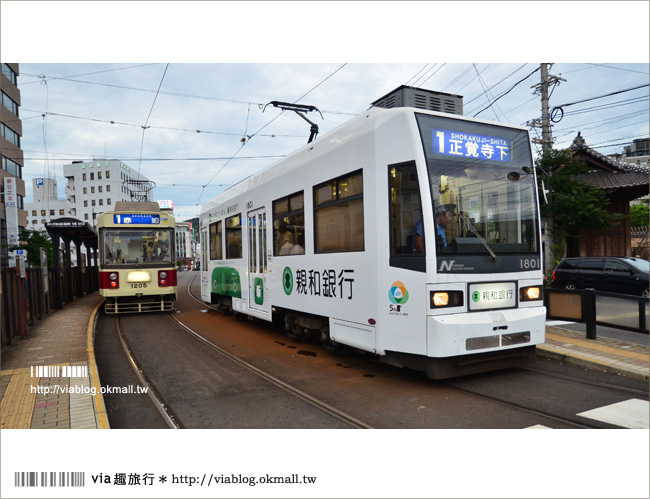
(137,263)
(325,240)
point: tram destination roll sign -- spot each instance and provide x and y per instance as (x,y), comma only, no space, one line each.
(471,145)
(137,218)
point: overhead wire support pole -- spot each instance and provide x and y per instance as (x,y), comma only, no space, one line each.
(299,109)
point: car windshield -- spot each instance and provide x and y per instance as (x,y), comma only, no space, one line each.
(484,172)
(638,263)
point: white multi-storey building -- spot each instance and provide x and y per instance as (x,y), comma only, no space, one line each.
(93,187)
(46,205)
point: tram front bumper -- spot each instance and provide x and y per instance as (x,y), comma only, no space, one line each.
(494,330)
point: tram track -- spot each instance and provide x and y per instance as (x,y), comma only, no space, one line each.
(128,326)
(515,391)
(313,401)
(624,389)
(157,399)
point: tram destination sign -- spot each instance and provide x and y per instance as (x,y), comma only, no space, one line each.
(471,145)
(136,218)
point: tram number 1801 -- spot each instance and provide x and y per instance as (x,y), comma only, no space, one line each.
(529,264)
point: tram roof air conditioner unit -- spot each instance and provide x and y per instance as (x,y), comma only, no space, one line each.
(421,98)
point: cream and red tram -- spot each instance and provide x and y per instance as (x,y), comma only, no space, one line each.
(137,263)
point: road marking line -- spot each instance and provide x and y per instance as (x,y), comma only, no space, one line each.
(633,413)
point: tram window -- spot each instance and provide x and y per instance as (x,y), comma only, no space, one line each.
(406,234)
(289,225)
(216,251)
(338,215)
(233,237)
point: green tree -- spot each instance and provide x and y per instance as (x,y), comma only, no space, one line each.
(32,241)
(575,205)
(640,214)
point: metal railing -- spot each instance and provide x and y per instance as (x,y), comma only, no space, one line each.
(25,301)
(598,308)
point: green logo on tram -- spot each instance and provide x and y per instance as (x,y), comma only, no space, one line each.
(476,296)
(287,280)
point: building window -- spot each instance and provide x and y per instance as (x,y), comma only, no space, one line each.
(42,213)
(289,225)
(9,73)
(9,103)
(99,189)
(338,215)
(108,187)
(85,216)
(101,202)
(83,177)
(10,135)
(85,190)
(108,174)
(33,213)
(92,175)
(85,203)
(233,237)
(92,202)
(92,190)
(11,167)
(51,213)
(108,201)
(99,175)
(61,212)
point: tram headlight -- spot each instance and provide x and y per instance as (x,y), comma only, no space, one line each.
(530,293)
(441,299)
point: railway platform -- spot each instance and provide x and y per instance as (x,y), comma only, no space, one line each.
(48,377)
(58,351)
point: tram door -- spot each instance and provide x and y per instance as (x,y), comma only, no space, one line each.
(205,277)
(257,259)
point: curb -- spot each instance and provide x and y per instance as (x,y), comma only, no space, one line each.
(98,398)
(586,363)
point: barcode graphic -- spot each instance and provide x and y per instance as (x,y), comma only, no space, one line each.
(59,371)
(49,479)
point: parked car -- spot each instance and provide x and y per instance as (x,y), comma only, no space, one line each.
(624,274)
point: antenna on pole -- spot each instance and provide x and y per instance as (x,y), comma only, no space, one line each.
(299,109)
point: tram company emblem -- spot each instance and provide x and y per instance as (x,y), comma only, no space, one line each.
(398,296)
(287,280)
(476,296)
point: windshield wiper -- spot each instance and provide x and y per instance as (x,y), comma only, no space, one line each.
(494,257)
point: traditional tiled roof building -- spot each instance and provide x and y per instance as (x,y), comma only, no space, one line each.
(624,182)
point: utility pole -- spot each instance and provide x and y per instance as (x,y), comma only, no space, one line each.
(547,81)
(547,139)
(542,89)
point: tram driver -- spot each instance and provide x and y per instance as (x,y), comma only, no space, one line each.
(444,216)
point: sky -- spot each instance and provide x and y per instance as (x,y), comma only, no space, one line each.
(196,122)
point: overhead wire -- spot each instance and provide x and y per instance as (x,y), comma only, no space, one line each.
(144,128)
(262,128)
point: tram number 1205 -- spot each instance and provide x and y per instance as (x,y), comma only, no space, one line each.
(139,285)
(529,264)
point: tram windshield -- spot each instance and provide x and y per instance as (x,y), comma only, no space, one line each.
(482,185)
(136,246)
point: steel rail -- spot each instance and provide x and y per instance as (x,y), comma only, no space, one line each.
(599,384)
(323,406)
(156,398)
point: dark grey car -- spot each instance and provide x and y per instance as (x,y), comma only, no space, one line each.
(624,274)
